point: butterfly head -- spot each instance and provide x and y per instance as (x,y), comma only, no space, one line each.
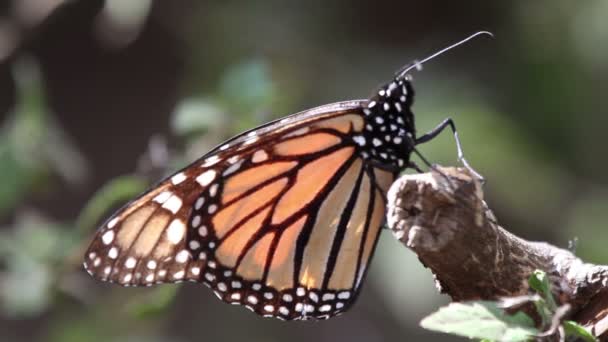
(390,129)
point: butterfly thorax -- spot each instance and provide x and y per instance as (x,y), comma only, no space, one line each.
(389,132)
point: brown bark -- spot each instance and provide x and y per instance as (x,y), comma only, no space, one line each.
(443,218)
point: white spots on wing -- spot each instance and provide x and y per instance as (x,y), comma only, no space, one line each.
(236,284)
(371,104)
(328,296)
(268,295)
(339,305)
(402,98)
(150,278)
(381,92)
(376,142)
(256,286)
(209,276)
(107,270)
(251,141)
(299,307)
(252,299)
(182,256)
(259,156)
(392,86)
(128,277)
(222,287)
(211,161)
(235,296)
(130,263)
(113,222)
(233,159)
(97,262)
(206,177)
(211,246)
(359,139)
(367,111)
(300,292)
(313,296)
(203,231)
(113,253)
(173,204)
(199,203)
(151,264)
(178,178)
(213,190)
(386,106)
(162,197)
(195,270)
(283,311)
(224,147)
(400,120)
(344,295)
(196,221)
(176,231)
(212,264)
(92,255)
(398,106)
(162,273)
(397,140)
(379,120)
(194,244)
(325,308)
(178,275)
(212,208)
(232,168)
(268,308)
(287,297)
(107,237)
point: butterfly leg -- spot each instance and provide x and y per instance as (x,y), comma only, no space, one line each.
(436,131)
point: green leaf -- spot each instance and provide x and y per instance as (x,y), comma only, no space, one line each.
(154,303)
(576,330)
(481,319)
(539,282)
(247,87)
(196,115)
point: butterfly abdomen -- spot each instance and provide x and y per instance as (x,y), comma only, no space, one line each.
(389,132)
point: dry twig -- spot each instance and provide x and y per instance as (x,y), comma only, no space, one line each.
(445,221)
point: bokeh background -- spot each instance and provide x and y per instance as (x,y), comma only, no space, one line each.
(98,99)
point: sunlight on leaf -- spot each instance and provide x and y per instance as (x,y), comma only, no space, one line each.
(575,330)
(484,320)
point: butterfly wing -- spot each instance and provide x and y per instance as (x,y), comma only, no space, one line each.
(282,219)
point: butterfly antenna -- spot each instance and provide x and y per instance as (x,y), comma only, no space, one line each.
(418,64)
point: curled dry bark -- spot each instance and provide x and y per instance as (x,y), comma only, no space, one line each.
(445,221)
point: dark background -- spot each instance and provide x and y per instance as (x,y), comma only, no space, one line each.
(112,95)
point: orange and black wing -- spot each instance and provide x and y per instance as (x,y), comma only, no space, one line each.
(282,219)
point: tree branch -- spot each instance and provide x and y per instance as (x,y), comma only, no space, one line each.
(444,220)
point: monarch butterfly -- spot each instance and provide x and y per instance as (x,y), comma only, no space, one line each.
(283,218)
